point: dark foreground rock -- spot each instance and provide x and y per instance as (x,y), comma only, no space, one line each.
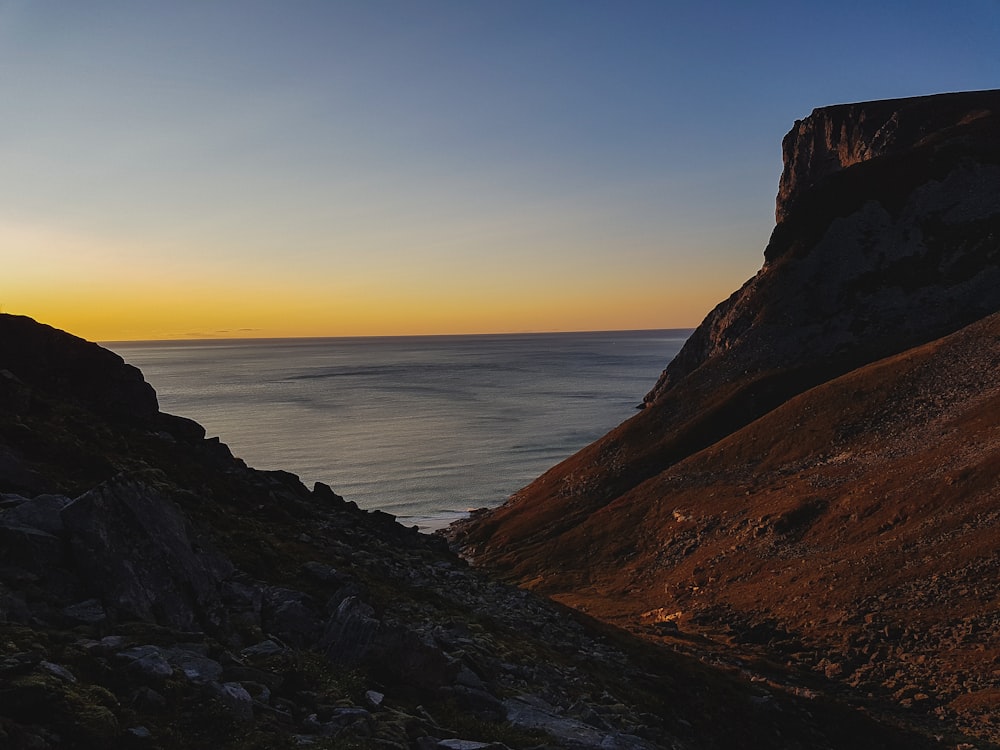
(157,593)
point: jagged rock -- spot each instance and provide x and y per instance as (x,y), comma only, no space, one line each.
(321,572)
(20,663)
(457,744)
(834,138)
(58,670)
(147,662)
(13,607)
(15,474)
(89,612)
(29,550)
(195,667)
(478,702)
(264,648)
(402,655)
(350,632)
(243,600)
(291,616)
(73,368)
(41,513)
(534,713)
(133,547)
(885,239)
(236,699)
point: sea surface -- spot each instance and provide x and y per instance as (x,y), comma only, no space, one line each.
(424,427)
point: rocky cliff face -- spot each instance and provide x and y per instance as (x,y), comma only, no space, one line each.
(888,238)
(834,138)
(155,592)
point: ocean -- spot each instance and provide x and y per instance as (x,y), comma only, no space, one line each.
(423,427)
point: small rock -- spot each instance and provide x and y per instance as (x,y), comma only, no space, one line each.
(140,732)
(61,672)
(374,698)
(147,699)
(152,666)
(40,513)
(349,632)
(321,572)
(147,661)
(196,668)
(349,715)
(470,679)
(264,648)
(21,663)
(236,698)
(456,744)
(89,612)
(112,643)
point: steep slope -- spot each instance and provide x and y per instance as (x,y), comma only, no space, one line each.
(155,592)
(844,526)
(851,531)
(888,237)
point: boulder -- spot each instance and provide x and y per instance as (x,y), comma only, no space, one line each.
(350,632)
(41,513)
(135,551)
(291,616)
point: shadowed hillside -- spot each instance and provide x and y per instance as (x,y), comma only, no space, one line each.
(155,592)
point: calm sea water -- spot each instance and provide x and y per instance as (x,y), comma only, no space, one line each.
(424,427)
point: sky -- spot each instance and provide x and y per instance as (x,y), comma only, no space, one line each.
(217,168)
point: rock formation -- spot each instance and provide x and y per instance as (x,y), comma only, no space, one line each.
(155,592)
(783,474)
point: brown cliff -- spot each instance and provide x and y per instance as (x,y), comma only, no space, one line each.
(888,239)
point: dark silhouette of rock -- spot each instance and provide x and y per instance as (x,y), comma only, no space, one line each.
(72,368)
(136,551)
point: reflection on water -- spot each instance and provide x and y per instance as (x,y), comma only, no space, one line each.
(422,427)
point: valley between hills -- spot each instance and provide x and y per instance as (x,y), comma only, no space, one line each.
(793,544)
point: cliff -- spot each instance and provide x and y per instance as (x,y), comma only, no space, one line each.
(886,223)
(709,508)
(155,592)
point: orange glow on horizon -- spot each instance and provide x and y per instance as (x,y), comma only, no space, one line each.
(113,312)
(121,290)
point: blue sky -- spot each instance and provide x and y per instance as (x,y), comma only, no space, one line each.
(329,168)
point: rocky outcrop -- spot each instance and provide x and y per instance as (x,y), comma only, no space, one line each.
(888,236)
(834,138)
(131,544)
(74,369)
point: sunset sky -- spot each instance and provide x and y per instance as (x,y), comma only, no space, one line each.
(217,169)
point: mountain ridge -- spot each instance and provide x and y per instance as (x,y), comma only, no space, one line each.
(887,243)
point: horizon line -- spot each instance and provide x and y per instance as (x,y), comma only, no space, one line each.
(228,339)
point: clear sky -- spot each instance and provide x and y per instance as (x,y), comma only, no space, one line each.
(241,168)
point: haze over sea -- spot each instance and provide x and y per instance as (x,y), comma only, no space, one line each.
(423,427)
